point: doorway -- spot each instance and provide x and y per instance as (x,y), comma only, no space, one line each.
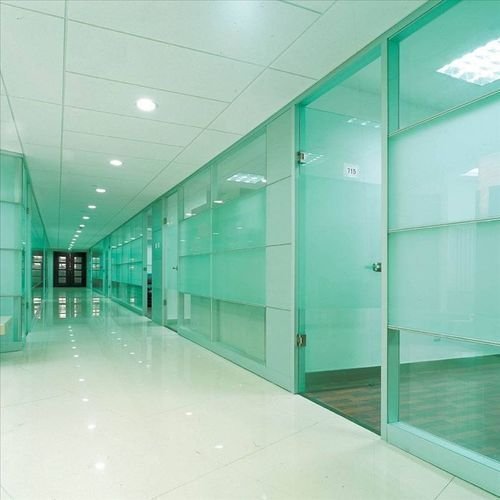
(340,246)
(70,269)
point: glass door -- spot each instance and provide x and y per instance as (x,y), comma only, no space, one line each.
(340,246)
(69,269)
(171,261)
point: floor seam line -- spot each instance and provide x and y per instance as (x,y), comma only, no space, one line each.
(445,486)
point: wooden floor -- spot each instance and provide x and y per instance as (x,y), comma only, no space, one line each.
(457,400)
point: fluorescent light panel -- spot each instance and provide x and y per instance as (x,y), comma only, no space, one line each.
(480,67)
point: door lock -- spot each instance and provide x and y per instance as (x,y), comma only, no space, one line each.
(377,267)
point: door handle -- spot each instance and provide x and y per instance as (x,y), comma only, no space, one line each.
(377,267)
(174,268)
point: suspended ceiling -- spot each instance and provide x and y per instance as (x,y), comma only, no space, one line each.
(73,70)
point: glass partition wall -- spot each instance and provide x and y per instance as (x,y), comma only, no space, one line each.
(23,245)
(99,256)
(444,240)
(128,260)
(222,255)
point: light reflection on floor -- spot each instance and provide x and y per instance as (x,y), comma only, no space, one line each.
(104,404)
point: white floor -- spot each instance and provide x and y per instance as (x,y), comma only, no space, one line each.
(107,405)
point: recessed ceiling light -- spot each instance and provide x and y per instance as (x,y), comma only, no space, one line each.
(219,202)
(82,225)
(92,207)
(116,163)
(76,236)
(479,66)
(78,230)
(85,217)
(100,190)
(146,104)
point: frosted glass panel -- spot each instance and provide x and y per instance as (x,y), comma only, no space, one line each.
(426,86)
(194,274)
(241,327)
(128,260)
(242,172)
(11,178)
(196,194)
(196,315)
(10,270)
(240,223)
(240,276)
(451,389)
(447,280)
(11,224)
(447,169)
(11,318)
(195,234)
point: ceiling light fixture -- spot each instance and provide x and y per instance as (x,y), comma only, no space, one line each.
(146,104)
(92,207)
(78,230)
(116,163)
(480,67)
(85,217)
(100,190)
(82,225)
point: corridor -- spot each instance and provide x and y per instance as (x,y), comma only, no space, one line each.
(104,404)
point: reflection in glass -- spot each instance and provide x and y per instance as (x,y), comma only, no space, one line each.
(451,389)
(432,80)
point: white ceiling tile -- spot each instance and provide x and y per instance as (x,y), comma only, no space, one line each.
(153,191)
(31,50)
(207,145)
(42,157)
(9,140)
(47,178)
(325,45)
(54,7)
(341,32)
(119,147)
(266,95)
(96,165)
(258,30)
(115,97)
(316,5)
(37,122)
(116,189)
(80,120)
(116,56)
(374,18)
(172,175)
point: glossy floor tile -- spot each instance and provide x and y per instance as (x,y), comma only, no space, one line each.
(104,404)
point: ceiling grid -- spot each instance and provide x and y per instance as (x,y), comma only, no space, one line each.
(73,70)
